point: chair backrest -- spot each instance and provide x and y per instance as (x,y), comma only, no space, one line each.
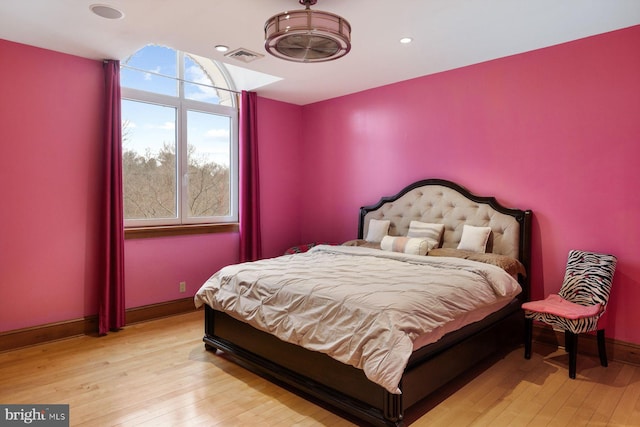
(588,277)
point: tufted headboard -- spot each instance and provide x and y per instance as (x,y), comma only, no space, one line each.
(445,202)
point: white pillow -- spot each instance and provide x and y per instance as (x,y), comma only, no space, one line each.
(407,245)
(378,228)
(425,230)
(474,238)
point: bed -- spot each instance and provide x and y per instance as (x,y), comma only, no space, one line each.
(358,374)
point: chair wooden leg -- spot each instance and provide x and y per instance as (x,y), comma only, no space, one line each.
(528,337)
(571,342)
(602,348)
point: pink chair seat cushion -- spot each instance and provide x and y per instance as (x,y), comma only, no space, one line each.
(556,305)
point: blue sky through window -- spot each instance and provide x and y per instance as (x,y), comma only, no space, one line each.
(201,89)
(157,59)
(209,135)
(149,126)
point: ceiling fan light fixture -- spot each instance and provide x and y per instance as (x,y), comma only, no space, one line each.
(307,35)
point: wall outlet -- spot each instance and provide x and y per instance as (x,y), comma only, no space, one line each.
(183,286)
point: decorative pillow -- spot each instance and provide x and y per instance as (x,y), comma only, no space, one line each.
(474,238)
(407,245)
(378,228)
(508,264)
(425,230)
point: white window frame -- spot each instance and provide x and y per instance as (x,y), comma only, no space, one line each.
(182,106)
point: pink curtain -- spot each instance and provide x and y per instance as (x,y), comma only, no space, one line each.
(111,308)
(250,241)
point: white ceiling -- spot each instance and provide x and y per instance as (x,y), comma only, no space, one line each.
(447,34)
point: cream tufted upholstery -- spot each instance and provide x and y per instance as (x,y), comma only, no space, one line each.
(444,205)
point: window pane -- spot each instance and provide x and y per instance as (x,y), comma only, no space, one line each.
(179,140)
(158,60)
(149,160)
(201,87)
(208,157)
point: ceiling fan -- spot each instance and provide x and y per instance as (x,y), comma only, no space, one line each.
(307,35)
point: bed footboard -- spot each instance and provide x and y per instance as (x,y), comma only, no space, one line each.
(311,374)
(344,388)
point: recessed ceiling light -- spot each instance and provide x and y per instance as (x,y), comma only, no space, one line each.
(105,11)
(406,40)
(222,48)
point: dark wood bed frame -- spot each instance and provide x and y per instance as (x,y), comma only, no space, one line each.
(346,388)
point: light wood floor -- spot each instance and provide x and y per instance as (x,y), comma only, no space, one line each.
(159,374)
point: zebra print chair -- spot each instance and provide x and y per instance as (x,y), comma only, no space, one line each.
(578,306)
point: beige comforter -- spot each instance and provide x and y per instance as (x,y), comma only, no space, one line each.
(364,307)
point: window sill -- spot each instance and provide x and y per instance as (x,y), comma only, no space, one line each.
(178,230)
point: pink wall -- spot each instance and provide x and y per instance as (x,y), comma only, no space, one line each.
(50,120)
(555,130)
(154,267)
(281,176)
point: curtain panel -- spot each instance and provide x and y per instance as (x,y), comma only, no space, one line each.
(250,240)
(111,306)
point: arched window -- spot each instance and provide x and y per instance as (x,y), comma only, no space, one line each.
(179,139)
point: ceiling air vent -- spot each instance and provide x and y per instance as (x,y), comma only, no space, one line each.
(244,55)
